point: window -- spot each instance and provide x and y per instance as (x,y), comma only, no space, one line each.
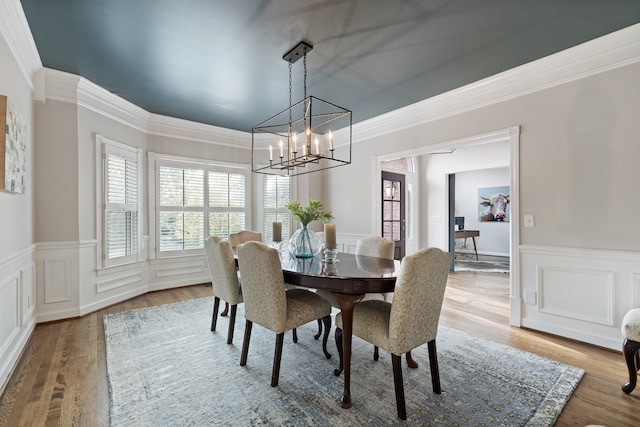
(277,193)
(195,201)
(121,220)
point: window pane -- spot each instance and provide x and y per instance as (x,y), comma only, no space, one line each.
(170,188)
(221,224)
(116,234)
(131,182)
(121,219)
(116,179)
(181,230)
(277,192)
(218,190)
(236,191)
(181,187)
(194,188)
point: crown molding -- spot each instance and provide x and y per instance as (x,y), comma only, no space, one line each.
(14,28)
(593,57)
(172,127)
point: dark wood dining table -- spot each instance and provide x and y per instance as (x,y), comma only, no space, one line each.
(349,280)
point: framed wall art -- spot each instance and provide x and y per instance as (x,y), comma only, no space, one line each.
(13,148)
(493,204)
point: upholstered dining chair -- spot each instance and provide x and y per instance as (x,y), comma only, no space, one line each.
(244,236)
(236,239)
(270,305)
(224,280)
(410,320)
(372,246)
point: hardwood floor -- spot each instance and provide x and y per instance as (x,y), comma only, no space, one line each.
(61,377)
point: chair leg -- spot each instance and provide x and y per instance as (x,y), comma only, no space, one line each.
(433,364)
(338,335)
(327,328)
(396,361)
(630,350)
(316,336)
(245,343)
(410,362)
(232,323)
(226,309)
(277,356)
(376,353)
(214,318)
(295,335)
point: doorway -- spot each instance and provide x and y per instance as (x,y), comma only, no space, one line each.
(394,211)
(432,221)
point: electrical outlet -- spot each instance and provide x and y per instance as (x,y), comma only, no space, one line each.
(528,221)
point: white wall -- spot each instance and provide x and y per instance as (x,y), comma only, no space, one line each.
(17,268)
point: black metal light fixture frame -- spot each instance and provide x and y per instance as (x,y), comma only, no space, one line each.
(306,136)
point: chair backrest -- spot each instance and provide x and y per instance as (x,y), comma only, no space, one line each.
(244,236)
(263,287)
(222,265)
(417,300)
(375,246)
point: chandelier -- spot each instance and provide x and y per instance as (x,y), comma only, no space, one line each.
(309,136)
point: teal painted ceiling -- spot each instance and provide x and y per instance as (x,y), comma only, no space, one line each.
(220,62)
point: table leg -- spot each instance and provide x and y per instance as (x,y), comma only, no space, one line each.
(347,302)
(475,249)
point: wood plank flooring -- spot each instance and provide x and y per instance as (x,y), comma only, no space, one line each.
(61,377)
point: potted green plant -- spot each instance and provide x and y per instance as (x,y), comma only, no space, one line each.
(305,243)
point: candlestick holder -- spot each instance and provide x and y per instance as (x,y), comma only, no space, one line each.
(330,253)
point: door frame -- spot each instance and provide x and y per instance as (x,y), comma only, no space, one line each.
(511,135)
(400,245)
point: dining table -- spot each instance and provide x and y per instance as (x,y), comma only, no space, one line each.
(348,279)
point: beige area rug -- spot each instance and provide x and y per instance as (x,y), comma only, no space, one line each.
(166,368)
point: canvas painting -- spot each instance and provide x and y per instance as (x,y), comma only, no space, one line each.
(13,148)
(493,204)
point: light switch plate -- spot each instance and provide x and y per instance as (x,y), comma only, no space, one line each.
(528,221)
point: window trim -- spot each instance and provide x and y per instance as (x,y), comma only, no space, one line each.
(155,160)
(105,147)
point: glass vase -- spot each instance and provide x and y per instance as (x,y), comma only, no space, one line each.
(304,243)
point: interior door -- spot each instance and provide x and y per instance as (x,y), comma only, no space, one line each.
(393,211)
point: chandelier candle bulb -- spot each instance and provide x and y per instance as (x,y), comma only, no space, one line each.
(281,150)
(270,153)
(330,141)
(330,235)
(277,231)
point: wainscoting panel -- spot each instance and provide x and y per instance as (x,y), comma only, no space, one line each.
(56,278)
(9,309)
(176,272)
(17,303)
(581,294)
(576,294)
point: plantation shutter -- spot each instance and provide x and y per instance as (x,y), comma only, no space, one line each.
(121,207)
(276,194)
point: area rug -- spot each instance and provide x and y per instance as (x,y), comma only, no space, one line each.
(166,368)
(482,266)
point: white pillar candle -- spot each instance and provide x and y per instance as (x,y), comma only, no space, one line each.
(277,231)
(330,235)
